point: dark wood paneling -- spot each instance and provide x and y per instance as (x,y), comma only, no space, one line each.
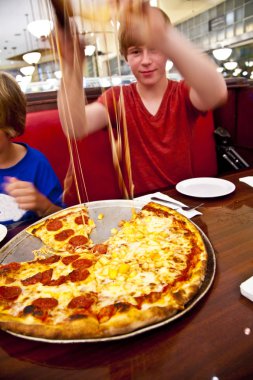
(40,101)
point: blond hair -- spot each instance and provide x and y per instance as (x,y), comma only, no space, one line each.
(127,32)
(12,106)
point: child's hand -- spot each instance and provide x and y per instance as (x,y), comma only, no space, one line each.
(28,197)
(25,194)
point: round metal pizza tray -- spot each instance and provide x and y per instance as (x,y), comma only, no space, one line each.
(21,246)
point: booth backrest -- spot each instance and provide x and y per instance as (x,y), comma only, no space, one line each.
(204,147)
(236,116)
(92,157)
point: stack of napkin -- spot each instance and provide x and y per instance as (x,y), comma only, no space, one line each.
(188,214)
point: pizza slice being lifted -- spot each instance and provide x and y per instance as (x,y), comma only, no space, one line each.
(68,230)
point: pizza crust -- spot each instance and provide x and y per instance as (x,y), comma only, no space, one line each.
(87,327)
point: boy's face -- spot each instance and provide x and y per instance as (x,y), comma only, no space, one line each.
(147,64)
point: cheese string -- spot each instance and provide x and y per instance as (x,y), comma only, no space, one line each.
(119,157)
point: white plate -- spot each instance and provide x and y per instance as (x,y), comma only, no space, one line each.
(3,232)
(205,187)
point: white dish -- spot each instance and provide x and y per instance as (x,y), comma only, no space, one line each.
(3,232)
(9,209)
(205,187)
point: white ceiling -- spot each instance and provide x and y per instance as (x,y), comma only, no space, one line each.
(15,14)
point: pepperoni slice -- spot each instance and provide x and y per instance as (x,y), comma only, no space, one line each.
(82,219)
(79,274)
(46,276)
(10,293)
(69,259)
(78,240)
(106,313)
(36,311)
(63,235)
(9,280)
(82,302)
(11,267)
(100,248)
(82,263)
(43,277)
(54,225)
(150,298)
(50,260)
(45,303)
(58,281)
(32,280)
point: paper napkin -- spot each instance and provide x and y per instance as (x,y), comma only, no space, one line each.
(9,209)
(248,180)
(188,214)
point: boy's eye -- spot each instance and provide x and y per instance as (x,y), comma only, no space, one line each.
(134,51)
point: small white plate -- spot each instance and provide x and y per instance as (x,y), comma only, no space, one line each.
(205,187)
(3,232)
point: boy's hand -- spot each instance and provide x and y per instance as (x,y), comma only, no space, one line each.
(147,24)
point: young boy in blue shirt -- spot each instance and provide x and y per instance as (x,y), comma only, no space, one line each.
(25,173)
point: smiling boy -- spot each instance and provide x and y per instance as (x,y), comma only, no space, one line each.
(160,113)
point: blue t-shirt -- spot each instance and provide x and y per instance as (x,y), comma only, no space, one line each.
(35,168)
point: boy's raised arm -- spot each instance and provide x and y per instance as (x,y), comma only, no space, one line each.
(207,87)
(71,98)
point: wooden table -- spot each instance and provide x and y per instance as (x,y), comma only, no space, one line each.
(212,341)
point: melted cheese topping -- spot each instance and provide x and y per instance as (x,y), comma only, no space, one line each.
(143,257)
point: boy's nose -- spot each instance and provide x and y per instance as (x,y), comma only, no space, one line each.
(146,57)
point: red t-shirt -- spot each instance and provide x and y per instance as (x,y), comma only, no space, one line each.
(160,145)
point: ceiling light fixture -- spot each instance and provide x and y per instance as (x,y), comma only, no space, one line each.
(32,57)
(231,65)
(89,50)
(40,28)
(222,54)
(27,70)
(58,74)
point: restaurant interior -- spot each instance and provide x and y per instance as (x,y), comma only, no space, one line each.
(223,29)
(212,25)
(212,338)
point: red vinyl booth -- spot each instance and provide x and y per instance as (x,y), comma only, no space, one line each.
(95,169)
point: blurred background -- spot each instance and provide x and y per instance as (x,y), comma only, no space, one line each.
(223,29)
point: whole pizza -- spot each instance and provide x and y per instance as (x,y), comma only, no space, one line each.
(147,271)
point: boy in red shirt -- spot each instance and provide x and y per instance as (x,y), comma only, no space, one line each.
(160,113)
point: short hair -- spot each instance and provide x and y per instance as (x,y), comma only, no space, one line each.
(127,36)
(12,106)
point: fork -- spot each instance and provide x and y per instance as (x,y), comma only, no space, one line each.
(185,208)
